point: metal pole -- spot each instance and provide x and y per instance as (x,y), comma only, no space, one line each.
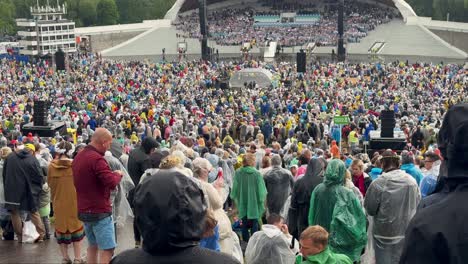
(341,137)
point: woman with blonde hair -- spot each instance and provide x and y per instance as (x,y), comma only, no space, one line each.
(349,184)
(68,228)
(360,179)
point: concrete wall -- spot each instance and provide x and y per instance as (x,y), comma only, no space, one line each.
(107,40)
(457,39)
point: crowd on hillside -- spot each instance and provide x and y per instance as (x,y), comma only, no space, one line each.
(261,174)
(237,26)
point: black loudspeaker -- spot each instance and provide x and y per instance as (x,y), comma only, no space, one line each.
(60,60)
(40,113)
(340,18)
(301,62)
(387,118)
(203,29)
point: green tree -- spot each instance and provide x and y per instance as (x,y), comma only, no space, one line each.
(7,17)
(441,9)
(160,8)
(107,13)
(124,7)
(87,12)
(23,8)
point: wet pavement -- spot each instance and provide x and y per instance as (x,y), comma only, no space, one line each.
(49,252)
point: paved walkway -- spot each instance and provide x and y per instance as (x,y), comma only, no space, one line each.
(49,252)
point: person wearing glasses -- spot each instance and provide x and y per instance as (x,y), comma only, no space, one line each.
(431,173)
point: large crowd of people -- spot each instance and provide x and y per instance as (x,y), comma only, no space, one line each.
(256,175)
(236,26)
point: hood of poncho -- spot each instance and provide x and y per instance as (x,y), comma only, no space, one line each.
(335,173)
(170,211)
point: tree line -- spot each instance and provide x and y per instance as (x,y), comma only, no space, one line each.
(87,12)
(438,9)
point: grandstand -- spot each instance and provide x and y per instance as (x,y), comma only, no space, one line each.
(286,20)
(401,38)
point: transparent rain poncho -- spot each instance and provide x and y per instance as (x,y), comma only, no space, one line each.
(121,210)
(392,200)
(337,209)
(269,246)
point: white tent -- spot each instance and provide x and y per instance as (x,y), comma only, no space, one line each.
(260,76)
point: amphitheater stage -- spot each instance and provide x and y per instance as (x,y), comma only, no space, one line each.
(403,42)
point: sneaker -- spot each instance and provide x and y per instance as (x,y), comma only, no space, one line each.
(66,261)
(79,261)
(137,244)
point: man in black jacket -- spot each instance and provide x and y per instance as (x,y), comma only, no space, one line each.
(23,179)
(437,233)
(138,162)
(170,212)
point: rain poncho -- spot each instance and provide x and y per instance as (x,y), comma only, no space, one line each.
(228,170)
(279,183)
(269,246)
(437,233)
(392,200)
(2,192)
(325,257)
(429,182)
(214,160)
(337,209)
(249,193)
(300,197)
(174,236)
(121,210)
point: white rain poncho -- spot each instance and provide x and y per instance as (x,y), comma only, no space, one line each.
(392,200)
(121,210)
(269,246)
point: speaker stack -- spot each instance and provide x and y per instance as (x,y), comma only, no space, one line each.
(60,60)
(301,61)
(40,113)
(388,123)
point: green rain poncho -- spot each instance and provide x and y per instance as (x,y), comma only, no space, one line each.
(337,209)
(325,257)
(249,193)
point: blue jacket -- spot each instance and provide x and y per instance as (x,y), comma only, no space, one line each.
(212,241)
(428,186)
(412,170)
(375,173)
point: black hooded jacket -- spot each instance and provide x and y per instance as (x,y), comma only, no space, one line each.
(170,212)
(438,231)
(23,179)
(139,159)
(300,198)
